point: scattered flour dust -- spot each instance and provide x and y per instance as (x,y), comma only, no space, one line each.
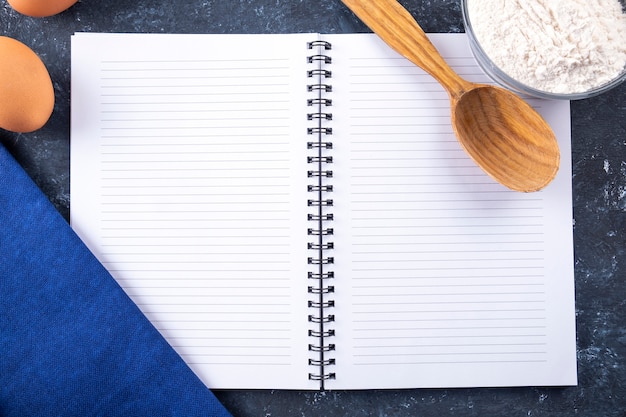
(558,46)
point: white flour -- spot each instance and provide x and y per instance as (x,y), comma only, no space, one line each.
(559,46)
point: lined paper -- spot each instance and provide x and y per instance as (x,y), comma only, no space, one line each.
(192,170)
(189,182)
(447,277)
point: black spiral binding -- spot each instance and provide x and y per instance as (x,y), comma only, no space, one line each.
(321,204)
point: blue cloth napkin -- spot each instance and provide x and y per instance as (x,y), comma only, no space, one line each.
(71,341)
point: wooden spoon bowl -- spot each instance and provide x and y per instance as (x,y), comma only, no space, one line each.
(506,137)
(502,133)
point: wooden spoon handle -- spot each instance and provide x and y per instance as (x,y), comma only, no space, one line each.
(395,25)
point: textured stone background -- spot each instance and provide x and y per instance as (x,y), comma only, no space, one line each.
(599,211)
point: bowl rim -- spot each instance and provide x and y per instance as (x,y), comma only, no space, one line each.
(505,80)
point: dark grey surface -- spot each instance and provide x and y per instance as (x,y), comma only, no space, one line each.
(599,211)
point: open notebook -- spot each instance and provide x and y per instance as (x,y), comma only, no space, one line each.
(294,211)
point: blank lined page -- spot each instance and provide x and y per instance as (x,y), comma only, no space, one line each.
(186,156)
(444,277)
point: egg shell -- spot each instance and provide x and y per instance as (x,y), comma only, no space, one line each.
(41,8)
(26,91)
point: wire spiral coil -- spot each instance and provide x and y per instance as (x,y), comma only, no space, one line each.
(321,204)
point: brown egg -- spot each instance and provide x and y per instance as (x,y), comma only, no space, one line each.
(26,91)
(41,8)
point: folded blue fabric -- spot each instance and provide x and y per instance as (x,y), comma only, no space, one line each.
(71,341)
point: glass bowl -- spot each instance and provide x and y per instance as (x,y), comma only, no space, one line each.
(506,81)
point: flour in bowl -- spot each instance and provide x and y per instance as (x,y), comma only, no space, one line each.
(558,46)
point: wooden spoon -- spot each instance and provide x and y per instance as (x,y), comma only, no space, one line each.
(502,133)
